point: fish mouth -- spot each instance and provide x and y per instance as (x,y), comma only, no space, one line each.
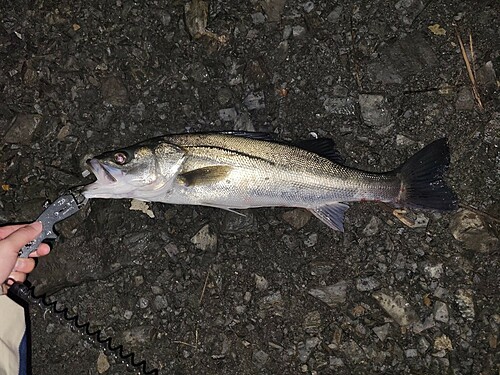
(103,172)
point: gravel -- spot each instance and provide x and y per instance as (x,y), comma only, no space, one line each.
(197,290)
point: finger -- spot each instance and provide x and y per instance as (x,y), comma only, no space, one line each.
(18,276)
(21,237)
(24,265)
(42,250)
(8,229)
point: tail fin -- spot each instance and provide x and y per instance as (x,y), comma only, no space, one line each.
(422,183)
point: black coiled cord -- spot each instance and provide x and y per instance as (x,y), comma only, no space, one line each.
(25,293)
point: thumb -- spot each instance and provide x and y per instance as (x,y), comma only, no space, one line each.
(21,237)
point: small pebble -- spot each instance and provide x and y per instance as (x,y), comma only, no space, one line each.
(224,96)
(143,302)
(228,114)
(160,302)
(102,363)
(247,297)
(138,335)
(382,331)
(367,284)
(298,31)
(22,129)
(423,344)
(419,327)
(258,18)
(240,309)
(273,303)
(260,358)
(373,110)
(171,249)
(332,295)
(287,31)
(434,271)
(472,230)
(334,15)
(336,362)
(255,101)
(138,280)
(411,353)
(441,312)
(311,240)
(260,282)
(114,92)
(297,218)
(308,7)
(305,348)
(319,268)
(396,307)
(312,322)
(205,239)
(465,99)
(156,289)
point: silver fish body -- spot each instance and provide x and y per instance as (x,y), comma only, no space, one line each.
(246,170)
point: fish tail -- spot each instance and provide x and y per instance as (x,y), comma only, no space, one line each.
(422,184)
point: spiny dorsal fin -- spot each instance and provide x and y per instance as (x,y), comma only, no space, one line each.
(253,135)
(205,175)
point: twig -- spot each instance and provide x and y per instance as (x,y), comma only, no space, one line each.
(357,74)
(470,71)
(204,287)
(195,345)
(472,54)
(184,343)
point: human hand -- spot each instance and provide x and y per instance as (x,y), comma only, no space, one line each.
(12,239)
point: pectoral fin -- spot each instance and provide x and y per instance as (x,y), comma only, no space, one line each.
(205,175)
(332,215)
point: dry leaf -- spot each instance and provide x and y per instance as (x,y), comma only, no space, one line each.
(137,205)
(436,29)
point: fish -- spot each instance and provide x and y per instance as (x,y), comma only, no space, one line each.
(240,170)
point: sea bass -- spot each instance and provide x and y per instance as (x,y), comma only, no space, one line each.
(239,170)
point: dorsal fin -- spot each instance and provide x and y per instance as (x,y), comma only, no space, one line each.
(323,147)
(253,135)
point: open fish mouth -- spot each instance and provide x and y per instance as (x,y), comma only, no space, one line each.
(103,173)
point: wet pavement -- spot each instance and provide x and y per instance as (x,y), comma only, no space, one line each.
(195,290)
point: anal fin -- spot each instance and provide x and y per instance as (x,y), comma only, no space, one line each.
(205,175)
(332,215)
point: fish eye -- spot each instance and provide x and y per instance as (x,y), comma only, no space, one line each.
(120,158)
